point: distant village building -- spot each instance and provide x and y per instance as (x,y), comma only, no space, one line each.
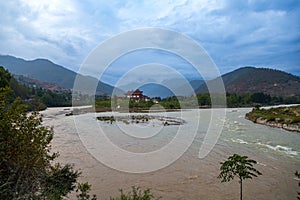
(136,95)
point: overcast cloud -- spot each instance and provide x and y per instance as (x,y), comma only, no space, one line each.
(235,33)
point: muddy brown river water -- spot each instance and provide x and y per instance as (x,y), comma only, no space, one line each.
(276,151)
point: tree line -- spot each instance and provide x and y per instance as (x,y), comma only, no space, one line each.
(203,101)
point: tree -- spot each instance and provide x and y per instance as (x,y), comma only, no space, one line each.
(26,161)
(204,99)
(4,77)
(260,98)
(240,166)
(84,189)
(136,194)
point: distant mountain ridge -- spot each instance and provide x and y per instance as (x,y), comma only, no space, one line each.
(255,80)
(241,81)
(47,71)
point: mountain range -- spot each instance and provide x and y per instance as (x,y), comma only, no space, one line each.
(49,75)
(46,71)
(249,80)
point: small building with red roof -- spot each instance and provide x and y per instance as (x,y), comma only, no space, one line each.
(136,95)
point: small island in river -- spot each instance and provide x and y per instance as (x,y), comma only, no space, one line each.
(287,118)
(144,119)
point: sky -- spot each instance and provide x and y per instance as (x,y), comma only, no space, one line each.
(234,33)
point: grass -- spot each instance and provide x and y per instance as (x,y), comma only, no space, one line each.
(285,115)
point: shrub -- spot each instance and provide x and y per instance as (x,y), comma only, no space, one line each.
(135,194)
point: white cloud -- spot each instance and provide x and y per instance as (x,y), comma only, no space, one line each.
(235,33)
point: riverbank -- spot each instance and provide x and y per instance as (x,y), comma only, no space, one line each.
(287,118)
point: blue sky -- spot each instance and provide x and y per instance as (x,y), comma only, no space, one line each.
(234,33)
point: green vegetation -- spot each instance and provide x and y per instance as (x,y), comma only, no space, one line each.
(141,105)
(34,98)
(52,98)
(249,100)
(171,102)
(27,164)
(241,100)
(204,101)
(240,166)
(102,105)
(284,115)
(84,189)
(136,194)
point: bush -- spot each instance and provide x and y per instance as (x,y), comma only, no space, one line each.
(27,168)
(135,194)
(84,189)
(26,165)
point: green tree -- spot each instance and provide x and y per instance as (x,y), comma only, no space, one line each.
(260,98)
(27,169)
(135,194)
(4,77)
(240,166)
(84,189)
(204,99)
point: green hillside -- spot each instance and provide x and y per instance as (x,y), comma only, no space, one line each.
(35,98)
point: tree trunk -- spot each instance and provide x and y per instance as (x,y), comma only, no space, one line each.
(241,192)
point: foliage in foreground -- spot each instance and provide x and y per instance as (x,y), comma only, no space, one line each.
(25,159)
(135,194)
(240,166)
(84,189)
(27,168)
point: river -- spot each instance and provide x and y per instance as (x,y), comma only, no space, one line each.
(276,151)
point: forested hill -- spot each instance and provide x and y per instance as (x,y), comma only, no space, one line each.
(46,71)
(36,98)
(250,80)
